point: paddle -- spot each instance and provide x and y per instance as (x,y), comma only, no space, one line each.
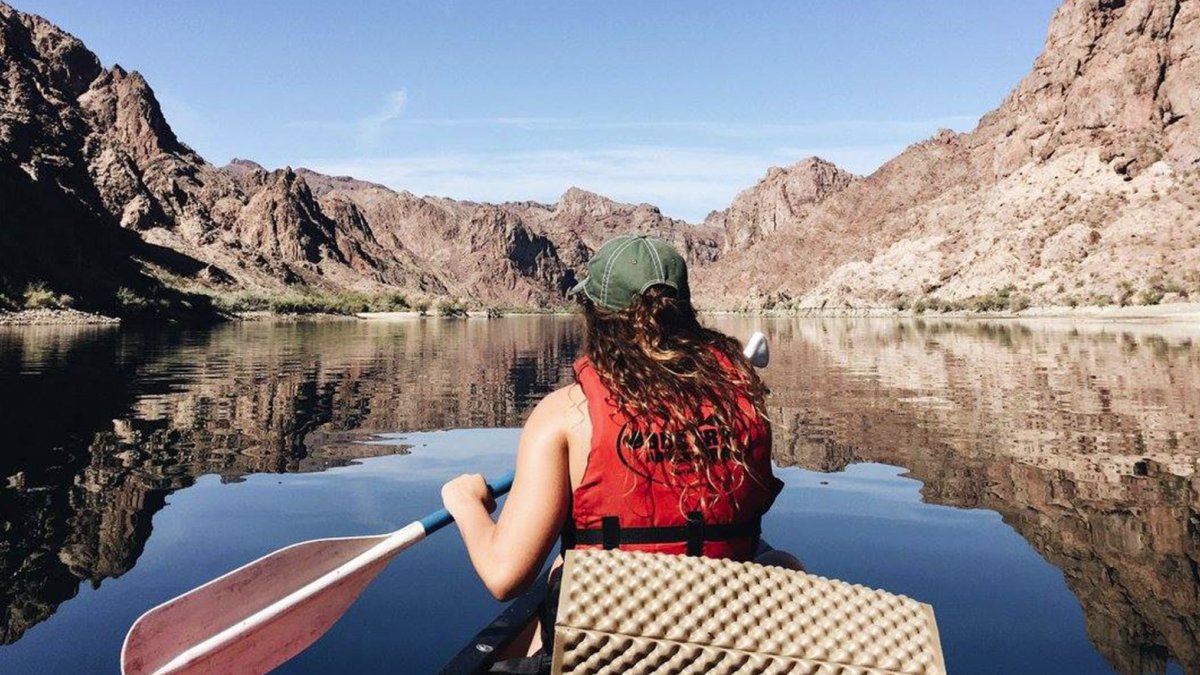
(267,611)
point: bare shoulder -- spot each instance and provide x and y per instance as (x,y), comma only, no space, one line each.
(561,401)
(561,409)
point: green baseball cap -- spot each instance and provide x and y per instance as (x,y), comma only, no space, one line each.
(625,266)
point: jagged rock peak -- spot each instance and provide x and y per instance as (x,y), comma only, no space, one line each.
(814,177)
(60,56)
(238,165)
(581,202)
(1078,187)
(124,102)
(781,198)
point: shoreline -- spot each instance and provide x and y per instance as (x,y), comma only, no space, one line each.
(1173,313)
(56,317)
(1180,312)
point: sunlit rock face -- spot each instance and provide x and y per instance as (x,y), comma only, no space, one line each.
(782,198)
(1085,177)
(1083,187)
(91,154)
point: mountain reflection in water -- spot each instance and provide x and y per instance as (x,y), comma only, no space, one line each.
(1085,441)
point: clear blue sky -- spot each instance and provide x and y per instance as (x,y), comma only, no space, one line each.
(681,104)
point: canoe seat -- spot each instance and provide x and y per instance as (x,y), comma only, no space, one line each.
(626,612)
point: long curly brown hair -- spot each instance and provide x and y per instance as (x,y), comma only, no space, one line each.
(666,371)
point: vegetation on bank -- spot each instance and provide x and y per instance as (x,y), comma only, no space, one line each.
(310,302)
(35,295)
(1007,299)
(175,300)
(136,297)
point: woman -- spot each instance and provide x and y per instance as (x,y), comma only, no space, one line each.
(662,444)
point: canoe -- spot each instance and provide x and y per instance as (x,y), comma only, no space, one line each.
(480,651)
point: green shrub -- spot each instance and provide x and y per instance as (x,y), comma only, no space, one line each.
(936,304)
(1152,296)
(1125,293)
(1175,287)
(390,302)
(996,301)
(39,296)
(351,303)
(1019,303)
(1158,288)
(451,307)
(131,303)
(242,302)
(297,304)
(312,303)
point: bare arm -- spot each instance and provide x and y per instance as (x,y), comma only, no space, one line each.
(508,554)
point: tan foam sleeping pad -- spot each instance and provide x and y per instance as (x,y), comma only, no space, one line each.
(624,612)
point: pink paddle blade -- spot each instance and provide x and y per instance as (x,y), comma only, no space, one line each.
(170,629)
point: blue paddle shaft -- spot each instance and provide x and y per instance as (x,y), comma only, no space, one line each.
(441,518)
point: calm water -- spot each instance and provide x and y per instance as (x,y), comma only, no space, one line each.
(1037,484)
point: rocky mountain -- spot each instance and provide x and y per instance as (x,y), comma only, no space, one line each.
(1081,187)
(104,184)
(783,197)
(517,252)
(56,227)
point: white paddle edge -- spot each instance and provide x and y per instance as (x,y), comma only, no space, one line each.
(756,351)
(388,546)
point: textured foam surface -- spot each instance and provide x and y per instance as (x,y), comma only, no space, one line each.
(625,612)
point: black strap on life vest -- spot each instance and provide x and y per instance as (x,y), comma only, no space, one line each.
(611,535)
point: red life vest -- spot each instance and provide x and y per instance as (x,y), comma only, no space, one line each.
(624,500)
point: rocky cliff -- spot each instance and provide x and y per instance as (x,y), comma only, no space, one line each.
(1081,187)
(57,225)
(105,189)
(783,197)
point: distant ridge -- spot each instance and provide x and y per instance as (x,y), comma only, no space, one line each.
(1081,187)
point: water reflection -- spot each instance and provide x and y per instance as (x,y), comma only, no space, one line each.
(1084,440)
(103,424)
